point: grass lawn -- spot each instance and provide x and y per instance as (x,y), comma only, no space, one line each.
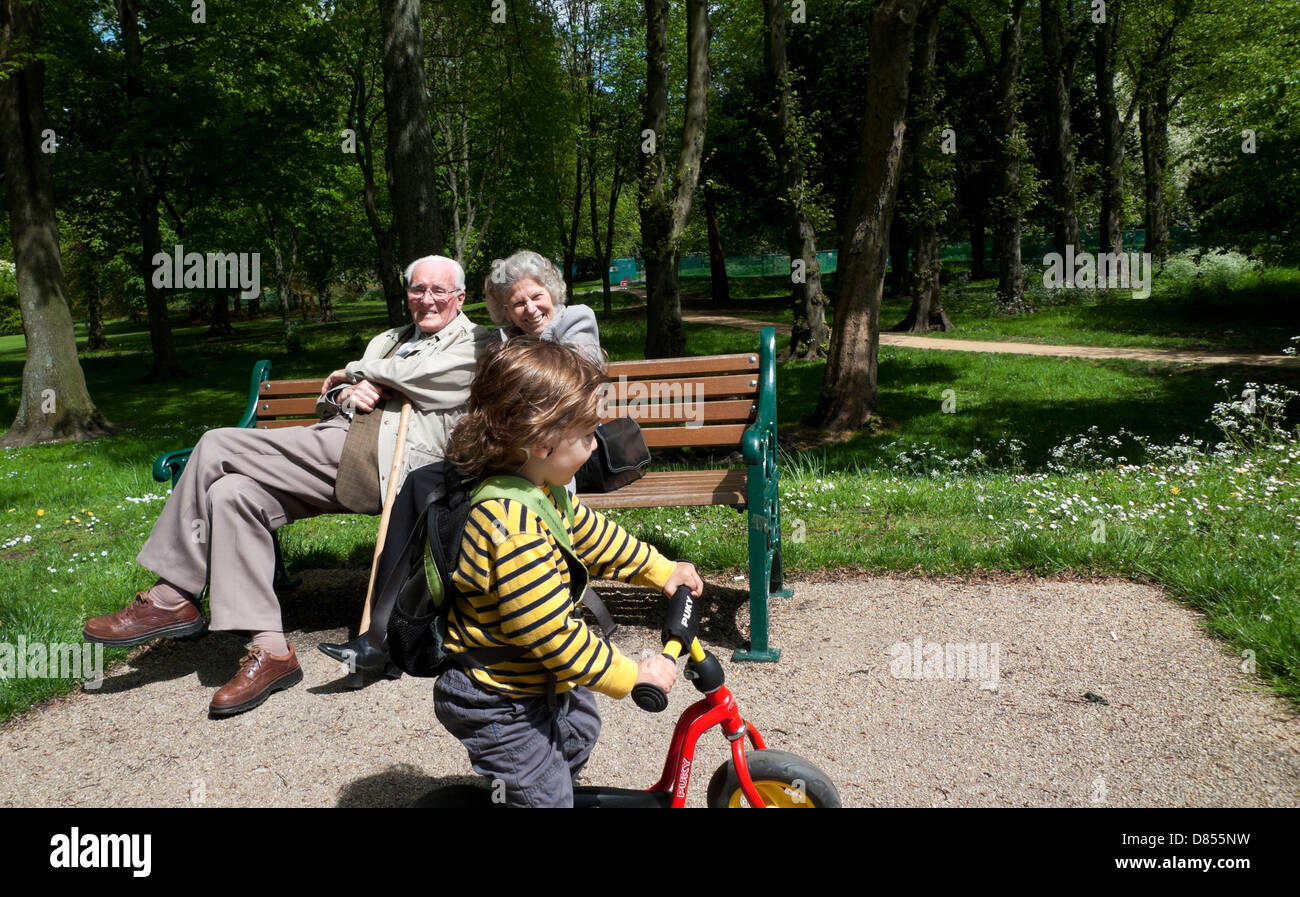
(1221,303)
(1008,478)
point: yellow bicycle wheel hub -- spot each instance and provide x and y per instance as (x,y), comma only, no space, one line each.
(775,794)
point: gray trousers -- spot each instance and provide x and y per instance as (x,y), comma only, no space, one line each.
(239,486)
(533,749)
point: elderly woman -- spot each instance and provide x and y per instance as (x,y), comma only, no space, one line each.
(525,293)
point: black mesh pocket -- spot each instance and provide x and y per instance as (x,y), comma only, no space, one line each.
(415,643)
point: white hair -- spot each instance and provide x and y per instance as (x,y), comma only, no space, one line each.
(523,265)
(459,276)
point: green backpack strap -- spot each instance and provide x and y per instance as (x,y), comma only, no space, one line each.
(520,490)
(530,495)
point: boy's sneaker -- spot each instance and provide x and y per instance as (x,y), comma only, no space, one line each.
(141,621)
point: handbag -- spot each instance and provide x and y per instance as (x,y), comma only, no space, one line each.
(621,456)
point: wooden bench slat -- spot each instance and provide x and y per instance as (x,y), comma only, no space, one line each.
(692,389)
(285,407)
(275,388)
(679,488)
(681,437)
(725,410)
(287,422)
(674,367)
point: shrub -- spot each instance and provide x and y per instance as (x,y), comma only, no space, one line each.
(11,316)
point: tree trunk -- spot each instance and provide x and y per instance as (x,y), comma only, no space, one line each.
(807,299)
(385,235)
(221,314)
(1008,206)
(848,394)
(390,277)
(1112,135)
(286,264)
(1060,62)
(147,197)
(662,221)
(926,312)
(325,302)
(605,248)
(719,286)
(569,234)
(1153,121)
(410,143)
(55,403)
(95,339)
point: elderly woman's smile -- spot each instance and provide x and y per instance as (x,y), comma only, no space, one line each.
(530,307)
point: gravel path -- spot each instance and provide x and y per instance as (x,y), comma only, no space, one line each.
(910,341)
(1183,724)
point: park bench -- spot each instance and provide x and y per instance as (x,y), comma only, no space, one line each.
(714,402)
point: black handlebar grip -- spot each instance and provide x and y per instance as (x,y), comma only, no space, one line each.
(683,619)
(649,697)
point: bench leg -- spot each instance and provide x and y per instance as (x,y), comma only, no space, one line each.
(765,578)
(283,581)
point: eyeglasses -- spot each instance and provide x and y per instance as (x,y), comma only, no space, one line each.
(417,291)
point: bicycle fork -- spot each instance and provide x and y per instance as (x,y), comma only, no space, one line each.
(718,707)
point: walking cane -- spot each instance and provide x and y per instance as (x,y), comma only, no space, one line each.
(399,455)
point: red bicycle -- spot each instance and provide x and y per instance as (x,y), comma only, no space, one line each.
(761,777)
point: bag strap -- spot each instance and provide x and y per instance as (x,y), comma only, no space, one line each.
(530,495)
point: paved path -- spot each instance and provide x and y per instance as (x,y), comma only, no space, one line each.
(1183,726)
(912,341)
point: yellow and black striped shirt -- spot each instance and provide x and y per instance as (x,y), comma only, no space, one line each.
(514,590)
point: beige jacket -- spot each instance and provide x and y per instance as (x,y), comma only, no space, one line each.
(436,377)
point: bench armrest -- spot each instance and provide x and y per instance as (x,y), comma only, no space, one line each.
(261,373)
(169,466)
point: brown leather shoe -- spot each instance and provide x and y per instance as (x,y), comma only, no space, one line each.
(141,621)
(259,674)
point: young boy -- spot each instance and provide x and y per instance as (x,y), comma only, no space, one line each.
(530,722)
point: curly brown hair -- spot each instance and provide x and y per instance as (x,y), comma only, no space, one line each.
(526,392)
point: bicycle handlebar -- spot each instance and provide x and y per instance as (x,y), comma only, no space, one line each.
(651,697)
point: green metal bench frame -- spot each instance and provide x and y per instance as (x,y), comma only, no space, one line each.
(759,445)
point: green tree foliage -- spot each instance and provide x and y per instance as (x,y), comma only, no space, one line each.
(1245,182)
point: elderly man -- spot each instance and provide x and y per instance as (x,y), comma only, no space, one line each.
(241,484)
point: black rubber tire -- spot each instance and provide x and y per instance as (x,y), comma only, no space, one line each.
(775,773)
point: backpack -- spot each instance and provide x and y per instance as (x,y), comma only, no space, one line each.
(421,575)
